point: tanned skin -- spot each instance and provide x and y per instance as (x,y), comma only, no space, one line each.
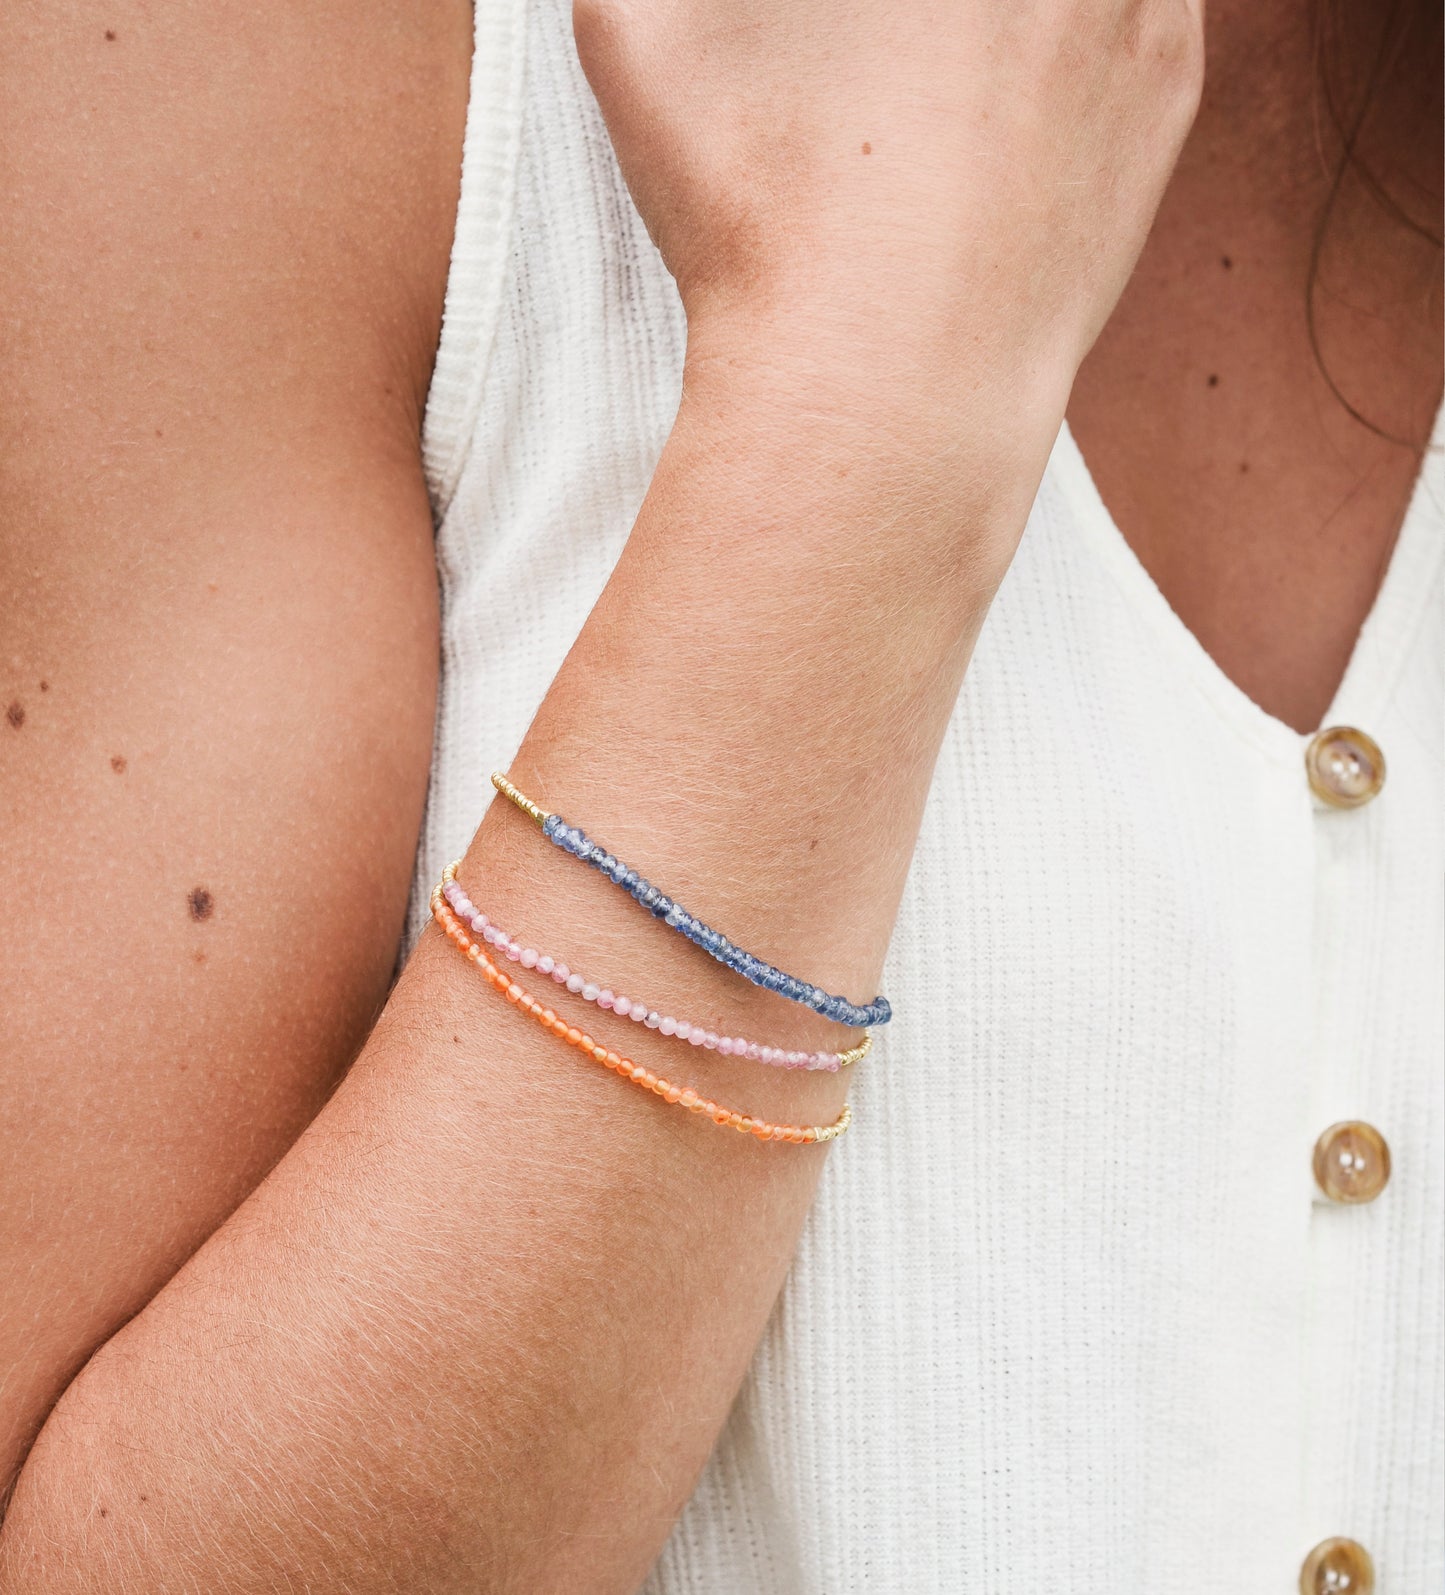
(479,1324)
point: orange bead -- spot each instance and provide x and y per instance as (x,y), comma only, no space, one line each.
(574,1035)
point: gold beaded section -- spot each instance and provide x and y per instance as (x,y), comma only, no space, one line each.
(523,802)
(683,1096)
(858,1053)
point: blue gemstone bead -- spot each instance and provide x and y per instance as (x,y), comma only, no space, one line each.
(757,970)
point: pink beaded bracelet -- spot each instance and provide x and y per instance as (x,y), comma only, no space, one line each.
(639,1012)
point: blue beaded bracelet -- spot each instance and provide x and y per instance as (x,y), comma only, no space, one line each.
(660,906)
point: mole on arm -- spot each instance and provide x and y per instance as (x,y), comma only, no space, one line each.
(200,902)
(117,763)
(110,35)
(1213,379)
(867,149)
(15,714)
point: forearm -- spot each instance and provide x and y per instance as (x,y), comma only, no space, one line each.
(481,1326)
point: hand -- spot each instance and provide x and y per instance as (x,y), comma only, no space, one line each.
(968,183)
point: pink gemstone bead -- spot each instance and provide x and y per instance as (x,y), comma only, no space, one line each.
(626,1007)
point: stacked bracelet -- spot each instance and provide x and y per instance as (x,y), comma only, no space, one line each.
(684,1096)
(628,1008)
(712,942)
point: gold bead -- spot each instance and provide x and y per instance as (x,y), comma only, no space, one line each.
(522,801)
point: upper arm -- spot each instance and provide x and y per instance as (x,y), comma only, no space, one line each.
(224,233)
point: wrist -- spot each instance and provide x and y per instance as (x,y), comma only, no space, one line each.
(944,436)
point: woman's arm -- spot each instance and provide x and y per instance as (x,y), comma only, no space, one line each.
(224,233)
(482,1324)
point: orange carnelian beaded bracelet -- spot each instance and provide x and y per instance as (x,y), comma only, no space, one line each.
(684,1096)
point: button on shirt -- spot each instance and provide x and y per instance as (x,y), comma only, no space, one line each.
(1351,1163)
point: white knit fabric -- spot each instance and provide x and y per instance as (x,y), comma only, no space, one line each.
(1068,1314)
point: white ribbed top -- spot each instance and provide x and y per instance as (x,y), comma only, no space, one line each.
(1107,1336)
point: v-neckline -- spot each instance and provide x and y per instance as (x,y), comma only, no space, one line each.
(1381,646)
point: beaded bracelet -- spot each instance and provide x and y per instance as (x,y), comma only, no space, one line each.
(626,1008)
(683,1096)
(712,942)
